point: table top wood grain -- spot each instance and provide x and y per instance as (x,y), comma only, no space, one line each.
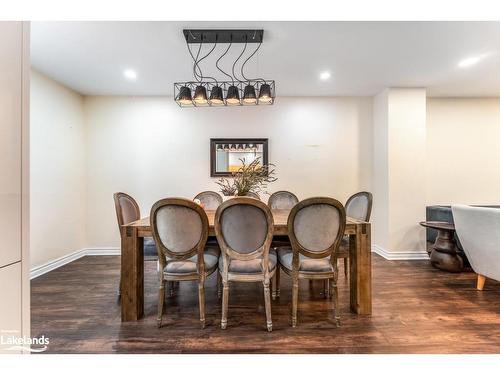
(280,223)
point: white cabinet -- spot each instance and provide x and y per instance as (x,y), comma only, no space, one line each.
(11,54)
(11,303)
(14,181)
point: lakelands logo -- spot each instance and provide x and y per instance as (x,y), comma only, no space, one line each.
(10,341)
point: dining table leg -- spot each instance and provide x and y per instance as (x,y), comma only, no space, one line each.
(132,274)
(360,270)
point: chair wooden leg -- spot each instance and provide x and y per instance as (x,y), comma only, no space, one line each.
(201,297)
(225,304)
(295,301)
(161,303)
(219,285)
(346,266)
(333,287)
(171,288)
(480,281)
(267,300)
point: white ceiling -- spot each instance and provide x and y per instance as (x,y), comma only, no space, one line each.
(363,57)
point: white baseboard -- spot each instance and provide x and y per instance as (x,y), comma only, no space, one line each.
(400,255)
(59,262)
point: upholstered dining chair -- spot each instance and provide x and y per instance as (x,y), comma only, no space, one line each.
(315,227)
(478,229)
(180,230)
(209,199)
(280,200)
(127,210)
(358,206)
(244,229)
(251,194)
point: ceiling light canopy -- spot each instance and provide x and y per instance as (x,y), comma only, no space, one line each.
(234,91)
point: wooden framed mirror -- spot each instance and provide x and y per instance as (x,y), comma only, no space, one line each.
(226,154)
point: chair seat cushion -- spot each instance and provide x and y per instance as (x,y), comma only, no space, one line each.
(250,266)
(150,247)
(306,264)
(211,256)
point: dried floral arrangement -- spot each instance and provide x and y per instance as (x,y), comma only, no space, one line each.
(252,177)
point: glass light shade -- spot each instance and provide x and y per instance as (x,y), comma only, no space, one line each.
(200,95)
(265,94)
(233,95)
(216,96)
(249,96)
(184,96)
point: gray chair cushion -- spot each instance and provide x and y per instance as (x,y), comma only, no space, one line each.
(357,207)
(179,228)
(244,228)
(150,247)
(211,256)
(250,266)
(282,200)
(285,256)
(209,199)
(316,226)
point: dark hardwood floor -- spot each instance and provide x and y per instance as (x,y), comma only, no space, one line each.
(417,309)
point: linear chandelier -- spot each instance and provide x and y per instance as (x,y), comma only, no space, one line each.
(206,91)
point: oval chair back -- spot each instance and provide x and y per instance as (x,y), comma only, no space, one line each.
(359,206)
(180,229)
(282,200)
(209,199)
(127,209)
(244,228)
(316,227)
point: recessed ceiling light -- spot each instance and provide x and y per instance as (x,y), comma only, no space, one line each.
(130,74)
(470,61)
(325,76)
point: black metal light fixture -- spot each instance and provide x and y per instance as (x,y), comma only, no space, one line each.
(200,95)
(249,95)
(216,96)
(265,95)
(232,92)
(184,96)
(233,95)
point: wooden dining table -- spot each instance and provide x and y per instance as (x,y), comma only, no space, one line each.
(132,262)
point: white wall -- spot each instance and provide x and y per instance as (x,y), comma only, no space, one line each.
(151,148)
(58,165)
(463,150)
(399,170)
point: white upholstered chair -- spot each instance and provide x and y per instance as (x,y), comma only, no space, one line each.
(478,229)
